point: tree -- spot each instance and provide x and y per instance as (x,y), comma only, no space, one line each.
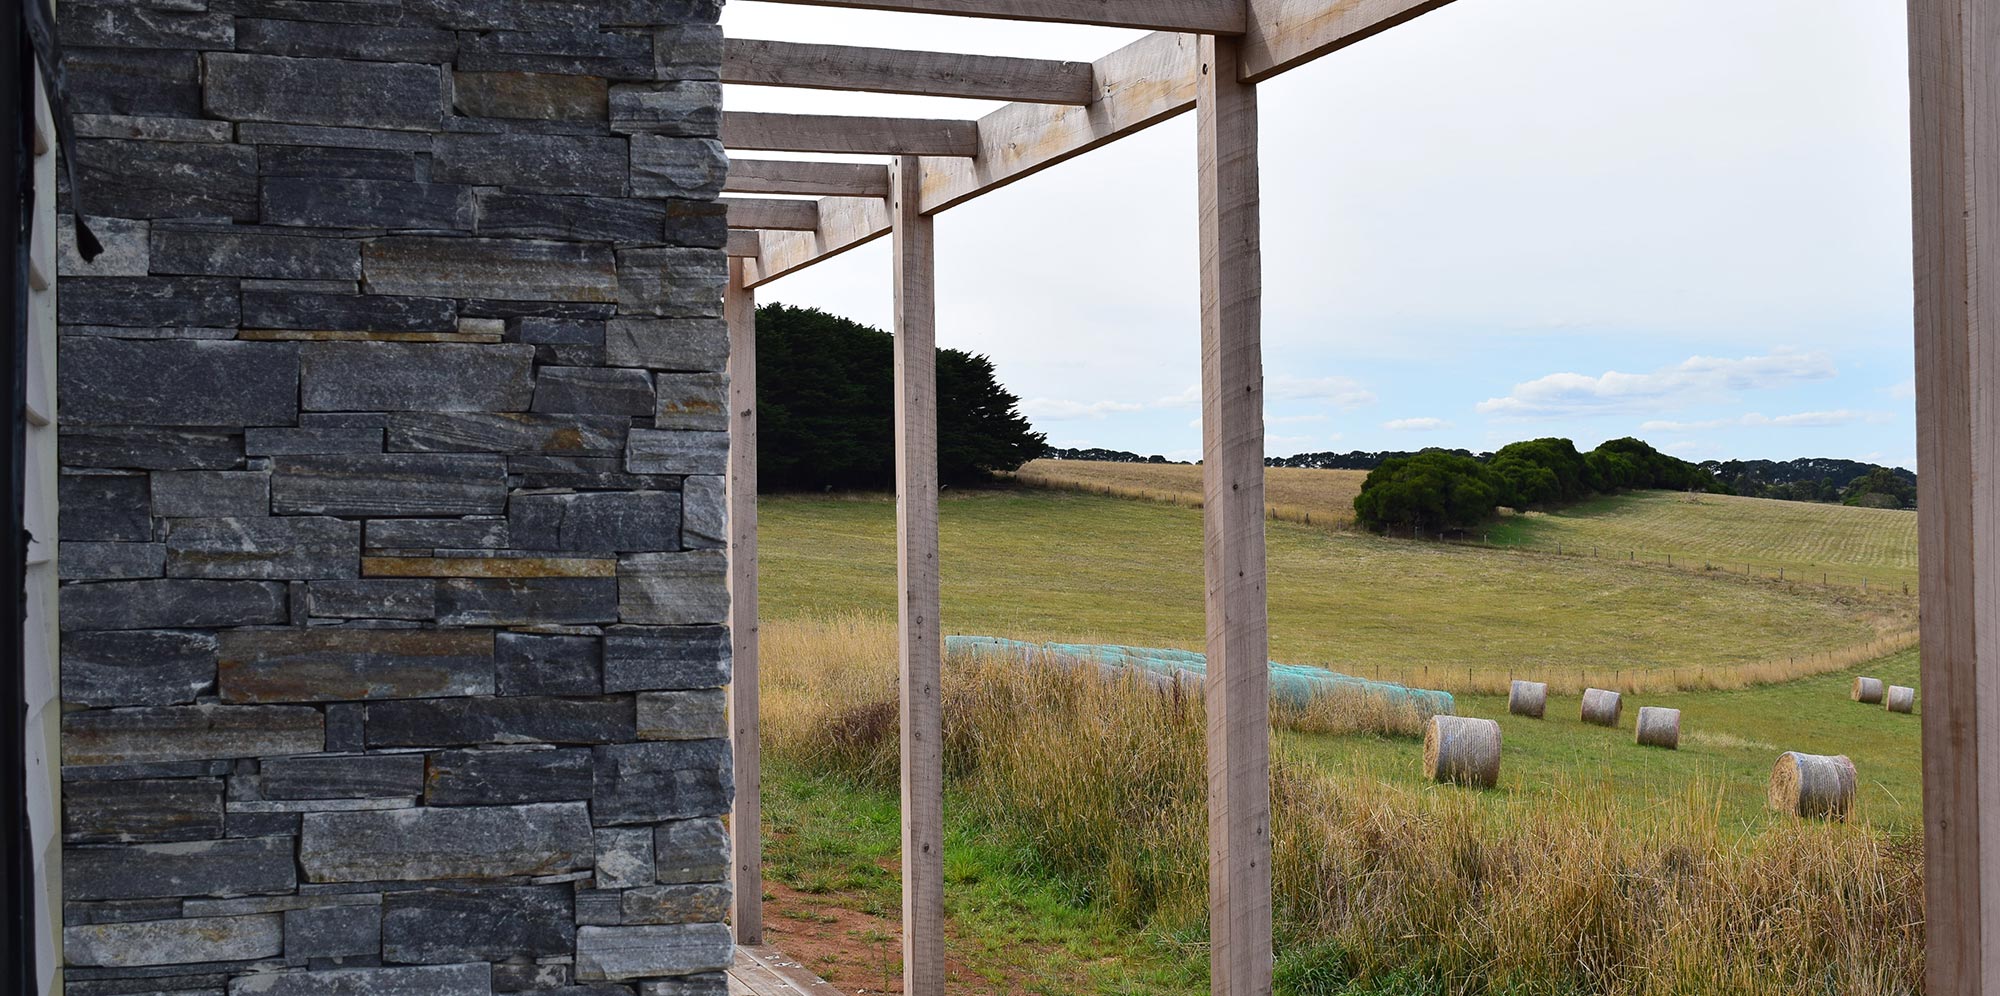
(1880,488)
(826,407)
(1433,489)
(1574,480)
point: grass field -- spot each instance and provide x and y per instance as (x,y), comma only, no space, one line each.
(1291,494)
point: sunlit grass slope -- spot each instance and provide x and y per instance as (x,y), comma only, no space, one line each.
(1293,494)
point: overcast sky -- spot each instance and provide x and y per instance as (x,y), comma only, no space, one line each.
(1506,219)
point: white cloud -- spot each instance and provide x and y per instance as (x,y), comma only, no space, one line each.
(1058,409)
(1905,391)
(1695,379)
(1797,420)
(1416,424)
(1343,393)
(1293,419)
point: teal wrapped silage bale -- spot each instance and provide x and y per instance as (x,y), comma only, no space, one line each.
(1291,684)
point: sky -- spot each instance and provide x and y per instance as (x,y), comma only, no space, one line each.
(1506,219)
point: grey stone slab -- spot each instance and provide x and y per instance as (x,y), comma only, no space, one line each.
(704,513)
(542,216)
(143,447)
(127,248)
(691,903)
(128,911)
(536,664)
(149,810)
(594,391)
(88,561)
(507,432)
(336,163)
(388,376)
(337,202)
(534,96)
(690,715)
(672,589)
(128,179)
(532,601)
(132,81)
(345,729)
(183,733)
(241,824)
(689,344)
(136,667)
(692,401)
(104,508)
(173,942)
(151,130)
(690,51)
(414,485)
(333,92)
(691,851)
(557,164)
(579,53)
(683,108)
(169,604)
(209,252)
(615,953)
(544,331)
(211,493)
(260,133)
(301,286)
(508,777)
(698,984)
(324,664)
(302,442)
(665,780)
(597,522)
(155,769)
(426,844)
(670,166)
(518,720)
(145,332)
(354,776)
(374,598)
(288,547)
(178,383)
(672,283)
(675,451)
(457,925)
(277,904)
(376,43)
(510,978)
(122,26)
(332,932)
(587,473)
(502,269)
(624,857)
(473,533)
(243,866)
(697,223)
(599,908)
(421,980)
(348,312)
(149,301)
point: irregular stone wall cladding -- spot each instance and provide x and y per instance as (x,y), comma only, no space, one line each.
(392,425)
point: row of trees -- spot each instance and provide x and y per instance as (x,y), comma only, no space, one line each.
(1441,489)
(1821,479)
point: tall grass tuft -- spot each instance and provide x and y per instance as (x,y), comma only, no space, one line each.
(1103,781)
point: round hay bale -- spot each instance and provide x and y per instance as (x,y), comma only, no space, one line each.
(1528,698)
(1463,750)
(1601,706)
(1868,690)
(1899,698)
(1659,726)
(1816,786)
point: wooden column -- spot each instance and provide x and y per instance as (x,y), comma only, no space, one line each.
(921,649)
(739,309)
(1955,153)
(1232,429)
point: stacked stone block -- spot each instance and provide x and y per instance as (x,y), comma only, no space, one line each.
(392,426)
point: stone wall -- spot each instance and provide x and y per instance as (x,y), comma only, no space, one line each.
(392,428)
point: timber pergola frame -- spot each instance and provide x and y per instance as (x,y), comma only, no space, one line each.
(1208,55)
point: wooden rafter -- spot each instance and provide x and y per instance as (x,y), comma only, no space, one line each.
(1213,16)
(1284,34)
(867,136)
(844,223)
(744,244)
(790,214)
(777,176)
(888,70)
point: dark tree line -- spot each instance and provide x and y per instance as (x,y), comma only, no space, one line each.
(826,407)
(1441,489)
(1823,479)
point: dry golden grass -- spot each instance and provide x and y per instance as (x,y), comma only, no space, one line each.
(1291,494)
(1555,890)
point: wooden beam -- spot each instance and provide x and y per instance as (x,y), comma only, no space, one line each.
(744,244)
(1237,690)
(778,176)
(763,212)
(1218,16)
(921,642)
(1955,152)
(1284,34)
(889,70)
(866,136)
(746,833)
(844,223)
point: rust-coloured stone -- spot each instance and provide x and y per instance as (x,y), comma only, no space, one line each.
(336,665)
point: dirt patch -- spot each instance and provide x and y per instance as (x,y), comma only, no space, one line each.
(861,953)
